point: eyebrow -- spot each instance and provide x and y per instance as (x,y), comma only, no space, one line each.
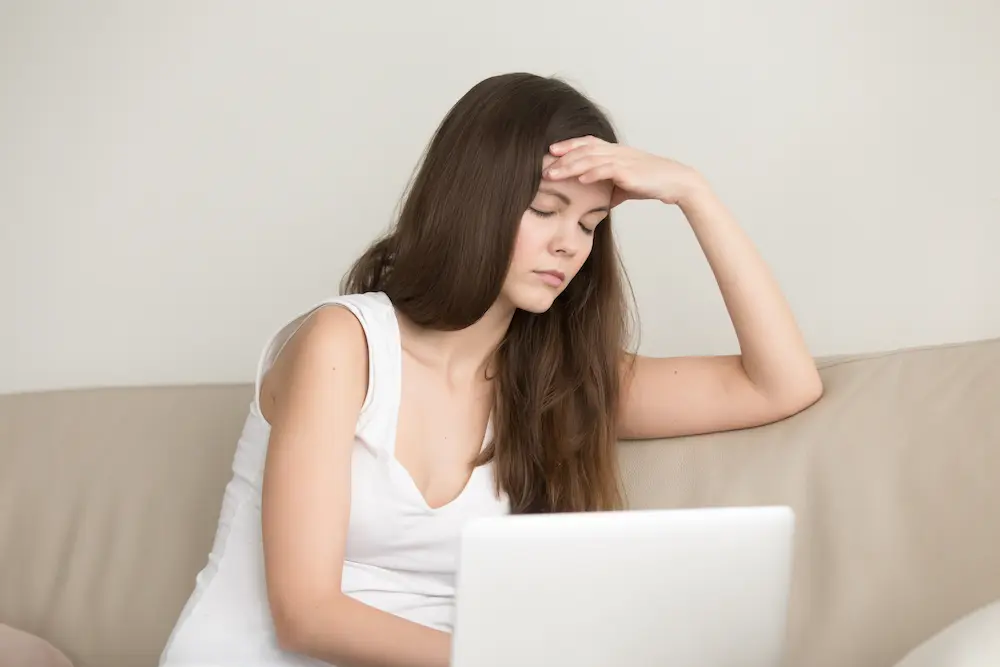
(566,200)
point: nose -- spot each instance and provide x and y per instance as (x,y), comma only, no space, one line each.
(565,241)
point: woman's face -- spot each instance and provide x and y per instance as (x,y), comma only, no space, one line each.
(554,239)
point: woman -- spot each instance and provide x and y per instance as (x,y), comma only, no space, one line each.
(475,365)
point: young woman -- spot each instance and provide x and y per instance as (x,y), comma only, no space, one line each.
(474,365)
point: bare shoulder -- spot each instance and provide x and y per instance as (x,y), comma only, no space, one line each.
(331,341)
(311,397)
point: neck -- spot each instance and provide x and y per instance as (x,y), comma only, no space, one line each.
(462,354)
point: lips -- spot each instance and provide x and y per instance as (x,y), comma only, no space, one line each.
(553,278)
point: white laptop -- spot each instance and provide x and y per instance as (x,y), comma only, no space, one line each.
(677,588)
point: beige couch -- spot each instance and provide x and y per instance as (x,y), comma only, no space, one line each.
(108,503)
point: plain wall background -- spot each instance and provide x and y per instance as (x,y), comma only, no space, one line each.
(179,178)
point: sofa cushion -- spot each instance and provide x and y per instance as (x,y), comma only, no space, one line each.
(21,649)
(972,641)
(108,505)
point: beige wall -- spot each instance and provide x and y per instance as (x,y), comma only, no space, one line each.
(177,178)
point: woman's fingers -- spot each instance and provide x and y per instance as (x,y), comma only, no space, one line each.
(562,147)
(568,169)
(603,172)
(569,164)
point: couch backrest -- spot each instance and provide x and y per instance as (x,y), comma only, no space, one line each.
(893,477)
(109,498)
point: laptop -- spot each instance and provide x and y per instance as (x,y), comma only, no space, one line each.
(677,588)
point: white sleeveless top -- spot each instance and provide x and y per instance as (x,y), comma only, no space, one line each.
(400,554)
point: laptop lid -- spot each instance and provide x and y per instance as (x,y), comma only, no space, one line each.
(684,588)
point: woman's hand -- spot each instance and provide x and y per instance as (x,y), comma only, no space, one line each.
(636,174)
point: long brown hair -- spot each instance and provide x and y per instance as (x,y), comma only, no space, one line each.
(444,262)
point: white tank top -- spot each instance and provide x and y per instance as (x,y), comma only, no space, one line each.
(400,554)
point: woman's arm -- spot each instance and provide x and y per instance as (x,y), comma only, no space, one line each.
(312,397)
(774,375)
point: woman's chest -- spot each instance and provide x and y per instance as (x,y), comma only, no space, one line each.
(391,525)
(440,431)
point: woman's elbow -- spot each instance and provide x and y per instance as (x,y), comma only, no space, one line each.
(814,389)
(806,393)
(793,396)
(298,623)
(289,630)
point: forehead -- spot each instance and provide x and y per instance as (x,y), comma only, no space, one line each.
(584,195)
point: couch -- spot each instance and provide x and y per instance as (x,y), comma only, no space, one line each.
(109,498)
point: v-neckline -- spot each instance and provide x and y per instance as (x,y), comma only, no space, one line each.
(395,462)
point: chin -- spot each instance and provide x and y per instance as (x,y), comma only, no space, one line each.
(534,300)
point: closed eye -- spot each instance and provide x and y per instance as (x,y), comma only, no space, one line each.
(547,214)
(542,214)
